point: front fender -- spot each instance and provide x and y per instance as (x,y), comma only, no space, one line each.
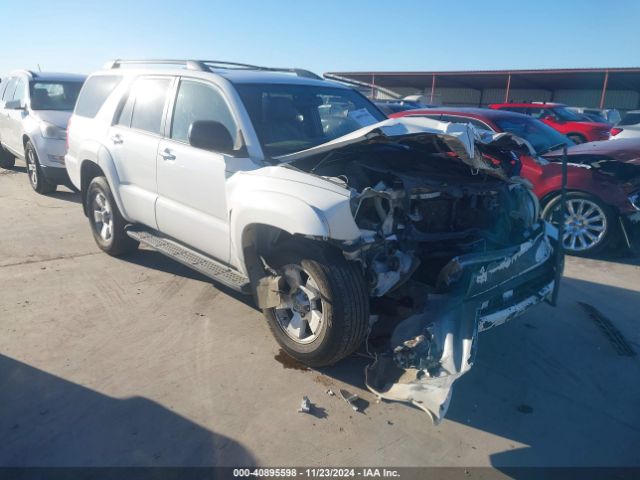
(290,214)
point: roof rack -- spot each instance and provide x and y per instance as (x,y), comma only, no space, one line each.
(210,65)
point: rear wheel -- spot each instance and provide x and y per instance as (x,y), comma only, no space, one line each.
(589,224)
(107,224)
(577,138)
(324,311)
(37,180)
(6,159)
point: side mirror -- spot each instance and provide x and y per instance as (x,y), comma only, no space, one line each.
(14,105)
(210,135)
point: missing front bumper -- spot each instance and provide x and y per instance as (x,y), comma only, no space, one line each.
(430,350)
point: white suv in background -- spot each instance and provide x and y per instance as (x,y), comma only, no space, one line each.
(301,192)
(34,111)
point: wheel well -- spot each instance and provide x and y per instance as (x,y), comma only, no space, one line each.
(88,171)
(25,139)
(258,240)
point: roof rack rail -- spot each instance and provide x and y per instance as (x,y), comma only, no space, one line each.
(208,65)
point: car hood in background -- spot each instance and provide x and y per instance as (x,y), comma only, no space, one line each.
(623,150)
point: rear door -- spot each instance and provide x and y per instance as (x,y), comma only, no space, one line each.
(133,142)
(192,203)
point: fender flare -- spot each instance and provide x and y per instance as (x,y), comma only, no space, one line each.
(105,162)
(274,209)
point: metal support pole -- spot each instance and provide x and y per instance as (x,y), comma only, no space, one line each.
(506,93)
(373,86)
(433,88)
(560,245)
(604,88)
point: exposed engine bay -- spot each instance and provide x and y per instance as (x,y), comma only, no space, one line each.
(451,244)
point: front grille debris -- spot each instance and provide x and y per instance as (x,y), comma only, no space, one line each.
(615,337)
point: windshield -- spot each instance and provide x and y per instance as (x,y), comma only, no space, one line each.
(542,137)
(54,95)
(563,113)
(291,118)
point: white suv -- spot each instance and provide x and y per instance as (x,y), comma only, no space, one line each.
(339,221)
(34,111)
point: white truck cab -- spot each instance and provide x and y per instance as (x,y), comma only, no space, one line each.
(301,192)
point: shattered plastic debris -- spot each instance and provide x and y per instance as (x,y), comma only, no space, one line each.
(350,398)
(305,406)
(330,393)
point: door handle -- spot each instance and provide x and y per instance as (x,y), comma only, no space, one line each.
(117,139)
(167,155)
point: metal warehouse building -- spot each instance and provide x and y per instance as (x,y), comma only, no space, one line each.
(584,87)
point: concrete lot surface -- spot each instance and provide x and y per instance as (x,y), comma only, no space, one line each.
(140,361)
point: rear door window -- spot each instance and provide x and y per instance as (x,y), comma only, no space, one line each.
(148,107)
(94,93)
(9,88)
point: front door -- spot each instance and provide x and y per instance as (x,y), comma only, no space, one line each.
(192,203)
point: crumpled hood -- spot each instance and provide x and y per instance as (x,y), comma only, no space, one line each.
(623,150)
(461,139)
(56,117)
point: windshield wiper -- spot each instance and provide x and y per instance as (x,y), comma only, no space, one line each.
(551,148)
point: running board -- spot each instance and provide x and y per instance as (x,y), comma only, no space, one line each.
(192,259)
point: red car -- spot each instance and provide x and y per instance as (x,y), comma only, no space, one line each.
(603,180)
(559,117)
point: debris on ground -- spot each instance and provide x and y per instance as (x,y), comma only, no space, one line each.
(331,393)
(350,398)
(615,337)
(305,406)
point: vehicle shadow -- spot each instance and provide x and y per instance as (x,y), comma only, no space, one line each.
(47,421)
(618,256)
(152,259)
(550,385)
(67,196)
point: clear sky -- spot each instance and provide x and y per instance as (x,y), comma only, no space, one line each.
(323,35)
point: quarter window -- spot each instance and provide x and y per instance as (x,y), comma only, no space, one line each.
(94,93)
(198,101)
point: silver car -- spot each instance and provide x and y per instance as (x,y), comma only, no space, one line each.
(628,127)
(34,111)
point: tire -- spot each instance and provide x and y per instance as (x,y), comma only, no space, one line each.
(594,217)
(105,219)
(341,297)
(577,138)
(36,178)
(6,159)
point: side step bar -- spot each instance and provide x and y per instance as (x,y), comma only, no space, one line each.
(192,259)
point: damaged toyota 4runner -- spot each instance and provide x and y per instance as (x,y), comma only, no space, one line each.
(410,233)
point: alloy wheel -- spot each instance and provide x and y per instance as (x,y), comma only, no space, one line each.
(32,168)
(585,224)
(300,313)
(102,216)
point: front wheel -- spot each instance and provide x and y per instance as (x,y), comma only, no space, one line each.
(324,311)
(589,224)
(107,224)
(37,180)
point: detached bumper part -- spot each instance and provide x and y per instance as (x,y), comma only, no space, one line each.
(430,350)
